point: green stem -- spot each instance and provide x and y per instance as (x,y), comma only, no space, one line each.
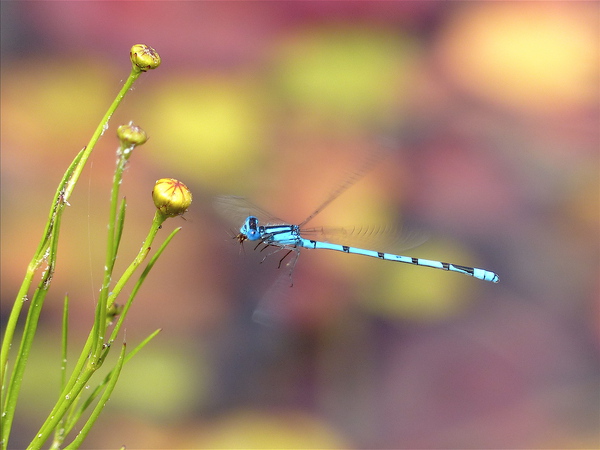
(62,406)
(58,204)
(77,414)
(82,371)
(156,224)
(60,429)
(33,315)
(133,76)
(49,239)
(114,232)
(101,403)
(72,420)
(137,286)
(61,198)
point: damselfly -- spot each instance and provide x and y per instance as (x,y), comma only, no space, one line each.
(292,238)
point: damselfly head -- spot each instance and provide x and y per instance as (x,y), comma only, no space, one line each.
(250,229)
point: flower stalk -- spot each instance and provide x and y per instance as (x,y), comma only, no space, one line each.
(68,408)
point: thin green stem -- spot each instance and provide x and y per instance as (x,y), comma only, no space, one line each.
(133,76)
(75,417)
(82,371)
(137,286)
(115,227)
(62,406)
(96,348)
(43,253)
(64,346)
(61,198)
(156,224)
(101,403)
(58,205)
(59,431)
(29,330)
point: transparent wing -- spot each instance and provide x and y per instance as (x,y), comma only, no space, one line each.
(236,209)
(379,238)
(382,150)
(273,309)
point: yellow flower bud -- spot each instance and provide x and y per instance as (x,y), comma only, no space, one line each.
(144,57)
(171,197)
(131,134)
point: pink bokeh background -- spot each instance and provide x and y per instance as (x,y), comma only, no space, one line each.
(493,112)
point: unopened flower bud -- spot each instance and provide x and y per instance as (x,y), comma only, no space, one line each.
(113,311)
(144,57)
(171,197)
(131,135)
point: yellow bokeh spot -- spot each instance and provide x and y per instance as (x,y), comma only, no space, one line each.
(403,291)
(532,56)
(67,100)
(214,128)
(177,382)
(347,73)
(258,430)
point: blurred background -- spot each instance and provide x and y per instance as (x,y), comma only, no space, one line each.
(490,112)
